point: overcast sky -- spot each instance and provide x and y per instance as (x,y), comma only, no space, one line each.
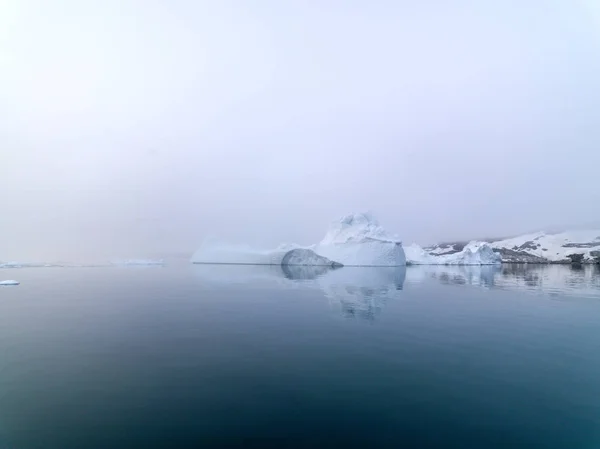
(140,126)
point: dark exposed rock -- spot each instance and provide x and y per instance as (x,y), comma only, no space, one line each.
(528,245)
(581,245)
(447,248)
(307,257)
(450,251)
(576,259)
(515,256)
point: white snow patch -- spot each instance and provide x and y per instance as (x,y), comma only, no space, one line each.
(9,282)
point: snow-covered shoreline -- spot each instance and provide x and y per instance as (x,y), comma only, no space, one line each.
(539,247)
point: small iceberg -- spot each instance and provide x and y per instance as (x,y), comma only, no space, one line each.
(9,282)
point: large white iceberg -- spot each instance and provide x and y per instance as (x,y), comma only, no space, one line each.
(359,240)
(475,253)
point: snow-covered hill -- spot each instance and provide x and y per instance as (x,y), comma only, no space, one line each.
(539,247)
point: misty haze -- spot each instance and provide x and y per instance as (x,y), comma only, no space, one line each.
(299,224)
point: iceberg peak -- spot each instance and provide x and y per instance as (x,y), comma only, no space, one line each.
(356,228)
(358,240)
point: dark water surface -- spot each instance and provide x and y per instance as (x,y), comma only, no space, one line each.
(230,356)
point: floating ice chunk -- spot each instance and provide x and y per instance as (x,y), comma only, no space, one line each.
(9,282)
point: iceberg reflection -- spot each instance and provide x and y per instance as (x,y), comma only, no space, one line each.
(532,278)
(357,292)
(362,292)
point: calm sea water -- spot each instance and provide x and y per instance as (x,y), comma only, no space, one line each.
(239,356)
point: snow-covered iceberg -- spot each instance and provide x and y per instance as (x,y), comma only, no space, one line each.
(9,282)
(217,253)
(359,240)
(475,253)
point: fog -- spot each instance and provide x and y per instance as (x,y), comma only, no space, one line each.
(131,128)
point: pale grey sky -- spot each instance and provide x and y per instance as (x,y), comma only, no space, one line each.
(130,127)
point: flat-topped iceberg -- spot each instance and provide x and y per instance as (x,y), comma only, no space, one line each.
(218,253)
(359,240)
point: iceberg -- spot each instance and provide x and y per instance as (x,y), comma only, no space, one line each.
(10,282)
(355,240)
(358,240)
(474,253)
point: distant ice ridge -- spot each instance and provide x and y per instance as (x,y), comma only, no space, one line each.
(358,240)
(212,251)
(10,282)
(139,262)
(25,265)
(474,253)
(126,262)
